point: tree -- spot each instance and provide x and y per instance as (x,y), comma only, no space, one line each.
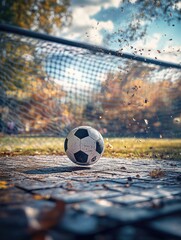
(31,14)
(37,15)
(138,106)
(20,65)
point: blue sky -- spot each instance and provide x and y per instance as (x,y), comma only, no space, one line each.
(93,20)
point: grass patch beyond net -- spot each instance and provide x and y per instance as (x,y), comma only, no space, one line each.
(130,148)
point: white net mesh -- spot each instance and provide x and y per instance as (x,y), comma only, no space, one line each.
(49,88)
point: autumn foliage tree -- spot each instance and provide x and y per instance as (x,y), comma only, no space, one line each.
(43,112)
(26,98)
(36,15)
(135,105)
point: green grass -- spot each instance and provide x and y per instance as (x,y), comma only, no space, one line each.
(144,148)
(130,148)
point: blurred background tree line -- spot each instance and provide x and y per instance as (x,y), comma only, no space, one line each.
(133,105)
(128,104)
(23,86)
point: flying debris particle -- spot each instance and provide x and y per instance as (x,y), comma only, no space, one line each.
(170,39)
(109,146)
(135,88)
(122,9)
(146,121)
(158,51)
(176,120)
(87,35)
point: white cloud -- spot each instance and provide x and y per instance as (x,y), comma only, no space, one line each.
(86,29)
(103,3)
(178,5)
(133,1)
(150,43)
(112,3)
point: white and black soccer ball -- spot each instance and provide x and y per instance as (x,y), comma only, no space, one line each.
(84,145)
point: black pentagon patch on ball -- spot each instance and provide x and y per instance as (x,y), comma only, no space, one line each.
(81,133)
(66,144)
(99,146)
(81,157)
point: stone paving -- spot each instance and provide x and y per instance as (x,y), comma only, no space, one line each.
(48,197)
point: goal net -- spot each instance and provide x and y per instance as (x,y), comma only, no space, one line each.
(47,88)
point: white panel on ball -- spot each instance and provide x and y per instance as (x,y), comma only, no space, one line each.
(88,145)
(84,145)
(73,144)
(93,133)
(71,133)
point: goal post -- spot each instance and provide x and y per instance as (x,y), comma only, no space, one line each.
(50,85)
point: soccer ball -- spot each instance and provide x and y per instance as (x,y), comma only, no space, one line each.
(84,145)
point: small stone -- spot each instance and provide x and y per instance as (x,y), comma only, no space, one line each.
(173,164)
(178,178)
(157,204)
(130,179)
(127,185)
(123,168)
